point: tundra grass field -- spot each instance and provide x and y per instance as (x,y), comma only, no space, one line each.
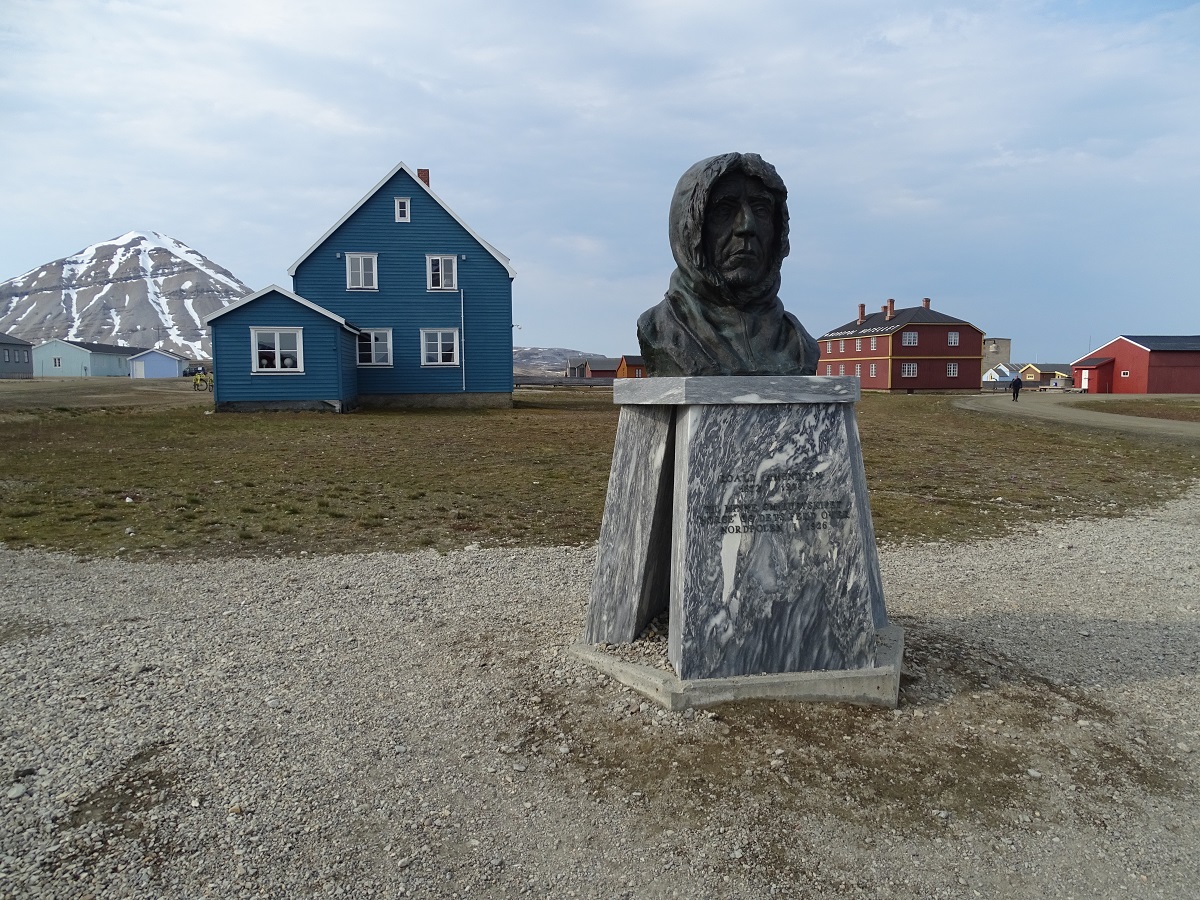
(1181,409)
(108,466)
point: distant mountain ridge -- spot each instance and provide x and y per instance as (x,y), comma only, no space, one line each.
(142,289)
(546,360)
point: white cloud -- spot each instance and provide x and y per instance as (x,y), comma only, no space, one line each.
(984,150)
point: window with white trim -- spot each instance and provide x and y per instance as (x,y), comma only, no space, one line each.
(439,346)
(873,347)
(908,370)
(441,273)
(1125,374)
(362,271)
(871,370)
(858,370)
(56,363)
(829,346)
(841,346)
(841,370)
(908,338)
(951,370)
(375,347)
(402,209)
(858,345)
(952,338)
(829,368)
(277,351)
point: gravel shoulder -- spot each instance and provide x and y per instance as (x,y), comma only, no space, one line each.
(393,725)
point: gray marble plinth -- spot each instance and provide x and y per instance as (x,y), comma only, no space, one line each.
(632,579)
(771,567)
(755,499)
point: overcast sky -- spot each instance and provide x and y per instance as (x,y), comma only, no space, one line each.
(1033,167)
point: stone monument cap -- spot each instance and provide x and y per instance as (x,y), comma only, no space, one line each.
(704,390)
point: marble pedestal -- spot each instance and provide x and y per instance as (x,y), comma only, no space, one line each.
(741,504)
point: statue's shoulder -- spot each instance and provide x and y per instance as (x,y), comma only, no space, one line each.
(808,339)
(659,336)
(656,320)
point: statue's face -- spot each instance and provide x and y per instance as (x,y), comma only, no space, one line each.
(739,229)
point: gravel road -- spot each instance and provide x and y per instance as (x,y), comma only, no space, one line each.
(410,725)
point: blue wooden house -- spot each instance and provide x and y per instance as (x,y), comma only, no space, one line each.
(399,303)
(156,363)
(15,361)
(60,358)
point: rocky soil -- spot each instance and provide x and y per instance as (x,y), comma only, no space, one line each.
(410,725)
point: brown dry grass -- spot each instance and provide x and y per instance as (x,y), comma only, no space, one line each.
(1181,410)
(107,464)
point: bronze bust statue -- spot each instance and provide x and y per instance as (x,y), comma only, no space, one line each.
(722,314)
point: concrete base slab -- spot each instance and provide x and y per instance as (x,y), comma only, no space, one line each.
(877,686)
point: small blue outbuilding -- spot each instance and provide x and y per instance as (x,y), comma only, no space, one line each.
(156,363)
(299,355)
(399,303)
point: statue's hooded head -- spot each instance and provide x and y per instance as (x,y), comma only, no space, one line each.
(729,230)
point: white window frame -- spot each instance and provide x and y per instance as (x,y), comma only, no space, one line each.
(841,346)
(842,369)
(363,285)
(858,370)
(1125,374)
(442,259)
(828,368)
(829,346)
(56,362)
(372,335)
(403,208)
(439,331)
(951,338)
(281,369)
(858,345)
(908,370)
(908,339)
(951,370)
(873,347)
(872,370)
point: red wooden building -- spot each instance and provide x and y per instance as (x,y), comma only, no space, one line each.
(601,367)
(1142,364)
(911,349)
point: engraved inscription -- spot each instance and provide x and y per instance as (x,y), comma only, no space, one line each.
(774,505)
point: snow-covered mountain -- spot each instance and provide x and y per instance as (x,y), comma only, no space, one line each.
(142,289)
(546,360)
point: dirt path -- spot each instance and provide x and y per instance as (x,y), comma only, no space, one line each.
(1059,408)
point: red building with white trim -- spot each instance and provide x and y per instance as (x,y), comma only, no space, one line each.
(912,349)
(1142,364)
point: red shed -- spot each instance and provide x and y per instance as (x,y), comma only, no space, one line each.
(911,349)
(1142,364)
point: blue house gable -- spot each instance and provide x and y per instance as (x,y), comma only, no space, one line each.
(277,350)
(431,298)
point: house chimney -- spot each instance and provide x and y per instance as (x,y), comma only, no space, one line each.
(862,313)
(891,308)
(925,303)
(423,174)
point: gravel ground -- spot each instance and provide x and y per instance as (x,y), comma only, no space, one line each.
(410,725)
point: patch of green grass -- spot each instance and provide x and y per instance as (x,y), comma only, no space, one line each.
(532,475)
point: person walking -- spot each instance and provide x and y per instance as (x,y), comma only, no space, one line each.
(1016,386)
